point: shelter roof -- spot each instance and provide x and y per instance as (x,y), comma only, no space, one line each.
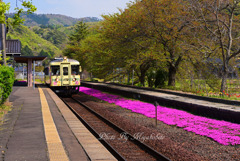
(24,59)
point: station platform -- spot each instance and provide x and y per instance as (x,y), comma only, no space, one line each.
(209,107)
(39,128)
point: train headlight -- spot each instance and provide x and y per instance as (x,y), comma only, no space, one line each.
(56,80)
(74,79)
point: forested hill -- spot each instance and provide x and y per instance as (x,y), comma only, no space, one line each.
(53,20)
(45,34)
(32,43)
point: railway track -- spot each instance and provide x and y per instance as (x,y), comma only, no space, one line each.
(120,143)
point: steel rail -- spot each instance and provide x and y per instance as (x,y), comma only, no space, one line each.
(137,142)
(93,131)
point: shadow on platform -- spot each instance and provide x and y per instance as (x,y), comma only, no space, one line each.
(20,83)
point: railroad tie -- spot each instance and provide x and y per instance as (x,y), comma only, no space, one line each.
(92,146)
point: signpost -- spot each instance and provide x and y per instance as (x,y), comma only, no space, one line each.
(156,105)
(34,74)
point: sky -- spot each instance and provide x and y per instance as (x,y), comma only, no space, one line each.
(75,8)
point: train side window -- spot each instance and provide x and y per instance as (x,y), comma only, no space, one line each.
(46,71)
(55,70)
(75,69)
(65,70)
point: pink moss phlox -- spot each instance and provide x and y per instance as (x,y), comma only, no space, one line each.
(22,81)
(223,132)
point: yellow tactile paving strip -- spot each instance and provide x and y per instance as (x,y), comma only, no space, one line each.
(56,150)
(94,149)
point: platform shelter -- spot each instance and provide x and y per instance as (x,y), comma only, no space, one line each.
(29,60)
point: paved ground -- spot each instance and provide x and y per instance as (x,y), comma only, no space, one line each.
(22,135)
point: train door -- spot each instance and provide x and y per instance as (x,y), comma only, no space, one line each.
(66,72)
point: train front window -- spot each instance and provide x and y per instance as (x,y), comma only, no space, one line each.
(75,69)
(65,70)
(55,70)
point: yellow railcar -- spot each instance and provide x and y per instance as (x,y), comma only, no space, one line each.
(63,75)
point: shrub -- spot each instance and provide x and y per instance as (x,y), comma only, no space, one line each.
(151,77)
(6,82)
(161,77)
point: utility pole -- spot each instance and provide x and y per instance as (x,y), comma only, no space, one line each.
(3,43)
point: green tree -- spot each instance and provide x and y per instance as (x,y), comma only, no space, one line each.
(146,32)
(94,57)
(26,51)
(44,53)
(131,47)
(219,22)
(56,37)
(167,24)
(27,7)
(73,48)
(80,32)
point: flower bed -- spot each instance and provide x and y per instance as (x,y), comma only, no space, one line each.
(223,132)
(22,81)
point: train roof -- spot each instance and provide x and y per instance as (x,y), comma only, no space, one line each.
(59,61)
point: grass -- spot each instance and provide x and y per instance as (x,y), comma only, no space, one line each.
(36,80)
(39,80)
(4,108)
(199,87)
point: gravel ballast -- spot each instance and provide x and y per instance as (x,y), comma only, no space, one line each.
(172,141)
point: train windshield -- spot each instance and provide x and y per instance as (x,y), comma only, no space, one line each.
(65,70)
(75,69)
(55,70)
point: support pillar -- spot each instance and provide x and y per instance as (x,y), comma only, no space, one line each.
(29,73)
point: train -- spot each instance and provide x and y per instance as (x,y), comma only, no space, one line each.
(63,75)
